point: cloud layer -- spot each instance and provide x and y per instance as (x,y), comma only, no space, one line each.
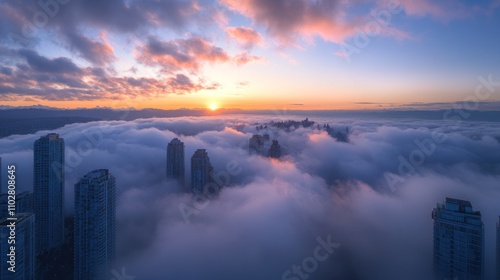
(272,212)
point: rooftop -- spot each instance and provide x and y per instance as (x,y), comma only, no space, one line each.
(176,141)
(200,152)
(97,174)
(458,201)
(460,206)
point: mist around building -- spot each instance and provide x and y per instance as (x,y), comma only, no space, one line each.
(260,199)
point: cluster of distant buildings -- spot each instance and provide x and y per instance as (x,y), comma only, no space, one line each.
(288,124)
(201,168)
(258,145)
(340,135)
(40,220)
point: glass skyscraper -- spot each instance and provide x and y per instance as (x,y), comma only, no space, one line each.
(48,192)
(95,225)
(201,170)
(175,160)
(25,248)
(458,241)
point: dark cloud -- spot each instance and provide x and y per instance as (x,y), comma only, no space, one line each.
(130,16)
(42,64)
(16,24)
(182,83)
(272,212)
(43,78)
(65,20)
(82,27)
(118,15)
(289,21)
(286,20)
(6,70)
(97,52)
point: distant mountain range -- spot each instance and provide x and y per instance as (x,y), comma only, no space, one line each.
(27,120)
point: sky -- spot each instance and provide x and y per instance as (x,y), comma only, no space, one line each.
(247,54)
(271,213)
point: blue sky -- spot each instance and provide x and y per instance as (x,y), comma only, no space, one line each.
(249,54)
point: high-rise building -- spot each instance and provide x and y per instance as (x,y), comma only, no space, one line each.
(48,191)
(24,248)
(175,160)
(458,241)
(95,225)
(275,150)
(201,171)
(256,144)
(24,203)
(498,249)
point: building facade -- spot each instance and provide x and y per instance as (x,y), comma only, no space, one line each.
(24,203)
(95,225)
(24,248)
(201,171)
(256,144)
(48,192)
(458,241)
(275,150)
(175,160)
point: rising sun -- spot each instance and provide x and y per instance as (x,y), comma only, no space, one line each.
(213,106)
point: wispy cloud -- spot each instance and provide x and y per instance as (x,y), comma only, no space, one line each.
(246,37)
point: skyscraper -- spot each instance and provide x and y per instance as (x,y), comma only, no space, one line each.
(25,248)
(95,225)
(175,160)
(458,241)
(256,144)
(48,191)
(201,170)
(498,249)
(275,150)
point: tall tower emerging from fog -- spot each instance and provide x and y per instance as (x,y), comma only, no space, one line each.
(256,144)
(95,225)
(498,249)
(175,160)
(48,191)
(201,170)
(25,248)
(458,241)
(275,150)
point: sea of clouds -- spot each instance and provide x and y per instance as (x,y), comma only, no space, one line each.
(372,196)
